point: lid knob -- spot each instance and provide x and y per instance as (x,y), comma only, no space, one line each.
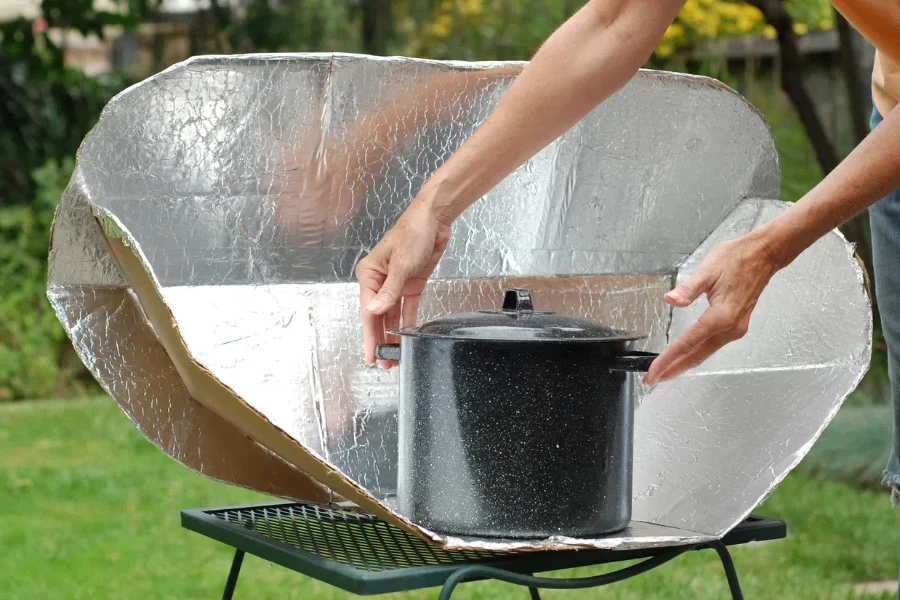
(517,300)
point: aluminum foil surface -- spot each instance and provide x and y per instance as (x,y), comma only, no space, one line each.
(720,438)
(111,336)
(253,184)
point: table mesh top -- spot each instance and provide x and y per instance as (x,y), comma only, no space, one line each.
(355,539)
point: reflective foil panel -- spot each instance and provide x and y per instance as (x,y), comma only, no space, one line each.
(251,185)
(735,426)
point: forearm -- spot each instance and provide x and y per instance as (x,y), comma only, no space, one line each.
(588,59)
(869,173)
(435,97)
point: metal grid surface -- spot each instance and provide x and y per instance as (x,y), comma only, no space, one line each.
(355,539)
(359,553)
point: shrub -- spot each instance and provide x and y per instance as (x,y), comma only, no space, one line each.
(36,359)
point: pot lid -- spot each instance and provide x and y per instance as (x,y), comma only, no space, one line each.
(517,320)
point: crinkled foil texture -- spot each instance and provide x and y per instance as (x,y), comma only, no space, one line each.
(253,185)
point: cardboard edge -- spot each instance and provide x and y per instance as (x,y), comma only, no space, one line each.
(209,391)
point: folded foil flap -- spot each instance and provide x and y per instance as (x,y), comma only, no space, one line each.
(207,390)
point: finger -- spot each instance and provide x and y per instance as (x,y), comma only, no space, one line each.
(370,282)
(711,322)
(684,345)
(696,358)
(373,333)
(687,292)
(389,293)
(410,311)
(391,321)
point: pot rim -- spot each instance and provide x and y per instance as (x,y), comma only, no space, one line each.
(413,332)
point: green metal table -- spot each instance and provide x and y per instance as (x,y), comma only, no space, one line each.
(363,555)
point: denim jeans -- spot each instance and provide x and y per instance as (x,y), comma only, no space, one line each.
(884,217)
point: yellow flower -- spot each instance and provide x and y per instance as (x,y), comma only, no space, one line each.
(744,25)
(441,26)
(752,12)
(470,8)
(729,10)
(674,32)
(710,27)
(825,24)
(691,12)
(801,28)
(665,50)
(769,32)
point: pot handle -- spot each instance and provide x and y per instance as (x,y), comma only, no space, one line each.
(517,300)
(635,362)
(387,352)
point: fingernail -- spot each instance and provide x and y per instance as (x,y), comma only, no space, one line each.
(375,305)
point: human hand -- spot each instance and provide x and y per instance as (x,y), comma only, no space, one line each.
(391,278)
(733,276)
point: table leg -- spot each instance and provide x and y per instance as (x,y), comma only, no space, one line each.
(733,584)
(233,575)
(535,594)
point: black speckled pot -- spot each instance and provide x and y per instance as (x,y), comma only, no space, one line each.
(516,424)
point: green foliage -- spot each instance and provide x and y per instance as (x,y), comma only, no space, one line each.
(310,25)
(36,359)
(44,115)
(480,29)
(46,108)
(814,15)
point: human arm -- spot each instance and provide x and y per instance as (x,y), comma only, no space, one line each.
(735,273)
(584,62)
(326,177)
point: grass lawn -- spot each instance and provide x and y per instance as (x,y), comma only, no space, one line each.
(90,509)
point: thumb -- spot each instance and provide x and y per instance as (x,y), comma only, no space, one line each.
(684,294)
(390,291)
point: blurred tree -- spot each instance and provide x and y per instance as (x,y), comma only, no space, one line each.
(45,107)
(478,29)
(377,26)
(857,81)
(856,76)
(294,26)
(792,82)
